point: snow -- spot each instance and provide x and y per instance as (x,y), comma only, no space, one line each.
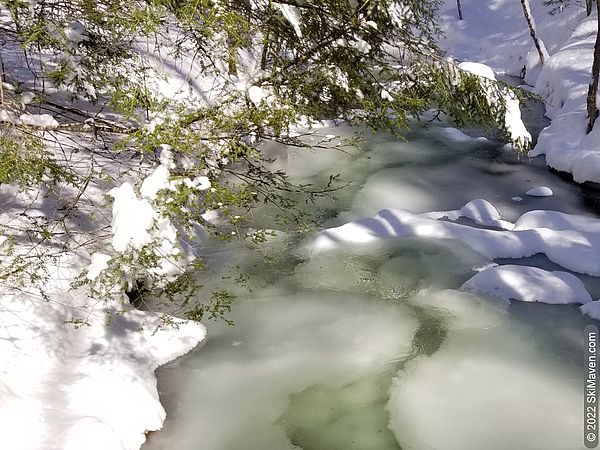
(94,387)
(292,15)
(132,219)
(528,284)
(257,95)
(385,95)
(45,121)
(562,238)
(201,183)
(591,309)
(456,135)
(512,119)
(75,32)
(496,34)
(479,210)
(98,263)
(156,181)
(27,98)
(540,191)
(478,69)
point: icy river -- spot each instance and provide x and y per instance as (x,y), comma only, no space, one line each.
(374,346)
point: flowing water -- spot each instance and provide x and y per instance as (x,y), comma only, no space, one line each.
(373,347)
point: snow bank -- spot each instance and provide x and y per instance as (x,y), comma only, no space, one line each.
(573,248)
(479,211)
(78,372)
(528,284)
(496,34)
(93,387)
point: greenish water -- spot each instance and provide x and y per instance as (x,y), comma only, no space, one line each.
(374,348)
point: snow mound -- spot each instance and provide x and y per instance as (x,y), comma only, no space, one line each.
(572,247)
(528,284)
(540,191)
(456,135)
(591,309)
(479,211)
(556,220)
(481,70)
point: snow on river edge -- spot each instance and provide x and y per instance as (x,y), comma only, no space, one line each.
(496,34)
(94,387)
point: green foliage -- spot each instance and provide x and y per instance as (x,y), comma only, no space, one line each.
(372,62)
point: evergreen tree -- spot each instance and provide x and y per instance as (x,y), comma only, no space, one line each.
(270,65)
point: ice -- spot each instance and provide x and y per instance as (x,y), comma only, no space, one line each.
(456,135)
(319,337)
(494,383)
(281,344)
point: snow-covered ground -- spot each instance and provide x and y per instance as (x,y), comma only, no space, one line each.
(94,387)
(76,371)
(495,33)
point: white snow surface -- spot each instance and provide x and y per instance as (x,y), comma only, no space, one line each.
(540,191)
(97,265)
(94,387)
(496,34)
(591,309)
(569,241)
(45,121)
(132,218)
(528,284)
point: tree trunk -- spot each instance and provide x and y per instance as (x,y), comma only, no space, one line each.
(539,44)
(592,109)
(459,7)
(588,6)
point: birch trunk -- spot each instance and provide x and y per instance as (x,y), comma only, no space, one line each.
(539,44)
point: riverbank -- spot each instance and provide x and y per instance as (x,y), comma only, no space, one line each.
(496,34)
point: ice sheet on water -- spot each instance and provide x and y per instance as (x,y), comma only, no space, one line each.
(240,385)
(504,386)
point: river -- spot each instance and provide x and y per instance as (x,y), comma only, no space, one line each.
(374,347)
